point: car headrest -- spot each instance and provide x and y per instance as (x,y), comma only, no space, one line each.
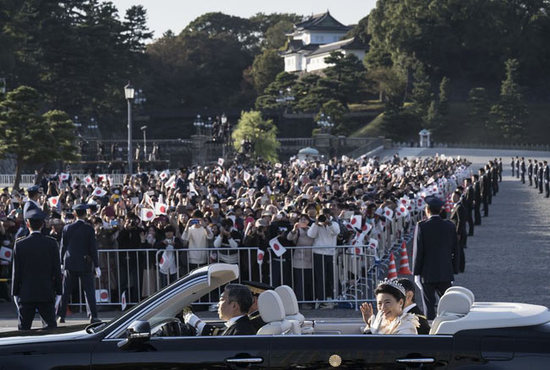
(270,306)
(290,303)
(464,290)
(454,303)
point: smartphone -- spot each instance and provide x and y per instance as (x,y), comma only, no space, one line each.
(194,221)
(114,223)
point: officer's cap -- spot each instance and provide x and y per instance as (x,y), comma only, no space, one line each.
(434,201)
(80,207)
(35,214)
(256,287)
(33,189)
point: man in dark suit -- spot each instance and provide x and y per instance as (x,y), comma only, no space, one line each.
(546,178)
(485,188)
(435,254)
(513,164)
(458,218)
(517,166)
(233,307)
(36,273)
(540,175)
(79,255)
(530,171)
(410,306)
(477,199)
(522,170)
(469,204)
(500,169)
(536,174)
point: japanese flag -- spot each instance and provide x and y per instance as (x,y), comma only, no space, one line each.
(101,295)
(161,208)
(277,247)
(220,162)
(88,180)
(123,301)
(6,253)
(164,174)
(405,201)
(191,176)
(260,256)
(420,203)
(356,221)
(373,243)
(246,176)
(63,176)
(99,192)
(146,214)
(366,228)
(403,210)
(171,183)
(53,201)
(388,213)
(192,188)
(148,200)
(101,178)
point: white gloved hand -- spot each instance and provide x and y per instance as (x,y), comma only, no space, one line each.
(417,281)
(194,321)
(98,272)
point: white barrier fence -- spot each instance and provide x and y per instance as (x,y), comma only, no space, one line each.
(7,180)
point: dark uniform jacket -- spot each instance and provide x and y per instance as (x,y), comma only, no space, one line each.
(424,327)
(459,218)
(256,320)
(78,247)
(435,254)
(242,326)
(36,273)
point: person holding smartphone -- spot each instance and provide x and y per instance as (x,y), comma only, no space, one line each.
(198,236)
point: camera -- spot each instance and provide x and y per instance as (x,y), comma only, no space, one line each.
(194,221)
(322,218)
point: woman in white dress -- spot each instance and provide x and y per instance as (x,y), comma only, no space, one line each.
(390,319)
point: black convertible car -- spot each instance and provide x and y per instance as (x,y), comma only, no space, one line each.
(465,335)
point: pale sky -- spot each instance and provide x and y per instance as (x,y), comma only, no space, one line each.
(174,15)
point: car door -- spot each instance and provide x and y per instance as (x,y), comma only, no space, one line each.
(361,351)
(219,352)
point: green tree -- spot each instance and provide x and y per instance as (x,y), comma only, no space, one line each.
(275,36)
(422,95)
(336,111)
(30,137)
(265,68)
(261,133)
(348,74)
(510,113)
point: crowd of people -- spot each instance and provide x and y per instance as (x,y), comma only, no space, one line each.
(226,212)
(538,173)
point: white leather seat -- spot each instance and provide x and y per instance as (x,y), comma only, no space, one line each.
(292,311)
(273,313)
(462,289)
(453,305)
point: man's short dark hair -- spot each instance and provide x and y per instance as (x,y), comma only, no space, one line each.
(35,224)
(80,212)
(241,295)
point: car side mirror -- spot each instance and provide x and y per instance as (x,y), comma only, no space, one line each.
(138,332)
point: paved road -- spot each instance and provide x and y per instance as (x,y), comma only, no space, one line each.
(508,259)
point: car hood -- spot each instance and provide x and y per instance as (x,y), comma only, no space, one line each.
(64,333)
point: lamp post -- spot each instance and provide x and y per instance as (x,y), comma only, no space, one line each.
(208,125)
(198,123)
(144,130)
(129,94)
(325,123)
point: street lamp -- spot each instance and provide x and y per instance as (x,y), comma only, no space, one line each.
(129,93)
(198,123)
(208,126)
(144,130)
(325,123)
(76,123)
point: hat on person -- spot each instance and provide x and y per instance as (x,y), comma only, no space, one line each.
(35,214)
(434,202)
(261,223)
(256,287)
(33,189)
(80,207)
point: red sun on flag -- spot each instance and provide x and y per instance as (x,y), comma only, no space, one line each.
(98,192)
(161,260)
(149,214)
(54,201)
(260,256)
(403,201)
(103,295)
(402,209)
(276,246)
(387,213)
(7,254)
(353,221)
(163,209)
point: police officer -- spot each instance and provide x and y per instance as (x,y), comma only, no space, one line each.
(79,253)
(477,199)
(458,218)
(517,166)
(530,171)
(485,191)
(546,178)
(256,288)
(522,170)
(36,273)
(468,202)
(540,175)
(33,193)
(513,165)
(500,169)
(536,173)
(435,254)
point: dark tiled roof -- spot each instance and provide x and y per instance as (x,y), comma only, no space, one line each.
(347,44)
(321,22)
